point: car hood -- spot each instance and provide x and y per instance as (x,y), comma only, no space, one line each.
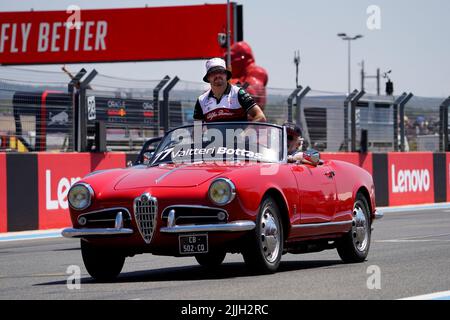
(175,175)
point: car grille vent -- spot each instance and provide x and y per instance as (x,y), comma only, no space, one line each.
(145,210)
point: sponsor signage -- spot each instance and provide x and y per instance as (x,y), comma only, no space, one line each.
(108,35)
(3,207)
(410,177)
(123,111)
(57,173)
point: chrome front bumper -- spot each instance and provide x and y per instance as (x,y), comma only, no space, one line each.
(378,215)
(118,230)
(235,226)
(223,227)
(80,233)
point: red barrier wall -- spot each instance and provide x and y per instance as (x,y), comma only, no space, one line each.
(411,178)
(57,172)
(400,179)
(3,207)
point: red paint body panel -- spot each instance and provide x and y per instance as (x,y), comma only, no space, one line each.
(349,180)
(3,194)
(317,193)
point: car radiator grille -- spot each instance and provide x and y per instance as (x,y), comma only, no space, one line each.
(145,210)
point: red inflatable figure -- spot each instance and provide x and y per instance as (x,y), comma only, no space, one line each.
(247,74)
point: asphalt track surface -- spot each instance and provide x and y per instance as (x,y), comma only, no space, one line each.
(410,248)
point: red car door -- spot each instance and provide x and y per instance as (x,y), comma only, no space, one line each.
(317,192)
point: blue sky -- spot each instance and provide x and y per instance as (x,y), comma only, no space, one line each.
(414,41)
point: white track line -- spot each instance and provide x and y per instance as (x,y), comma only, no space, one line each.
(416,207)
(443,295)
(30,235)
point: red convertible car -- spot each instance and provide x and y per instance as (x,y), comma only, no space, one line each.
(217,188)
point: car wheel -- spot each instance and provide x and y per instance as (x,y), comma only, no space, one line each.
(103,264)
(354,246)
(265,244)
(211,259)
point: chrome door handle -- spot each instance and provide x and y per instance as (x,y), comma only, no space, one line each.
(330,174)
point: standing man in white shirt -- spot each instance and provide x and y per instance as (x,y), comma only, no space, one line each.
(224,101)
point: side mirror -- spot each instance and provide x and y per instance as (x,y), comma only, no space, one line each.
(312,157)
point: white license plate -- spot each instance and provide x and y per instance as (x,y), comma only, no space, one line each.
(192,244)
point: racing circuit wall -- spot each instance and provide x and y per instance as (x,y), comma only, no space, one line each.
(34,186)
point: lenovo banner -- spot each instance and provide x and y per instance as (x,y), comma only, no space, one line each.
(135,34)
(57,173)
(410,178)
(3,207)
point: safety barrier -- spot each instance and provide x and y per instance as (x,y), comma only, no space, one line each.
(34,186)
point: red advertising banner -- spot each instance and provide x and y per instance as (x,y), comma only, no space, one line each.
(3,206)
(410,177)
(57,173)
(107,35)
(363,160)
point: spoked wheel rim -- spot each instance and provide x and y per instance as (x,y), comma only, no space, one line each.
(270,236)
(360,228)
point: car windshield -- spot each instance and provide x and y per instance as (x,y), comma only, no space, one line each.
(224,141)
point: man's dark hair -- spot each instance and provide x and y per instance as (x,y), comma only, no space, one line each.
(293,129)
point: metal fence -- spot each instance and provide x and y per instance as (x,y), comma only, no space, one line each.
(50,111)
(35,110)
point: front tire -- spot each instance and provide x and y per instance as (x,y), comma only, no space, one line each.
(354,246)
(103,264)
(265,244)
(211,259)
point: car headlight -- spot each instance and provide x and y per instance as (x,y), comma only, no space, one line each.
(80,196)
(222,191)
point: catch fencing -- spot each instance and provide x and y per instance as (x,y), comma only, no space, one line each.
(88,111)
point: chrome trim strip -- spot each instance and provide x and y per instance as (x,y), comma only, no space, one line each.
(79,233)
(322,224)
(169,172)
(192,206)
(106,209)
(285,153)
(378,215)
(236,226)
(196,217)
